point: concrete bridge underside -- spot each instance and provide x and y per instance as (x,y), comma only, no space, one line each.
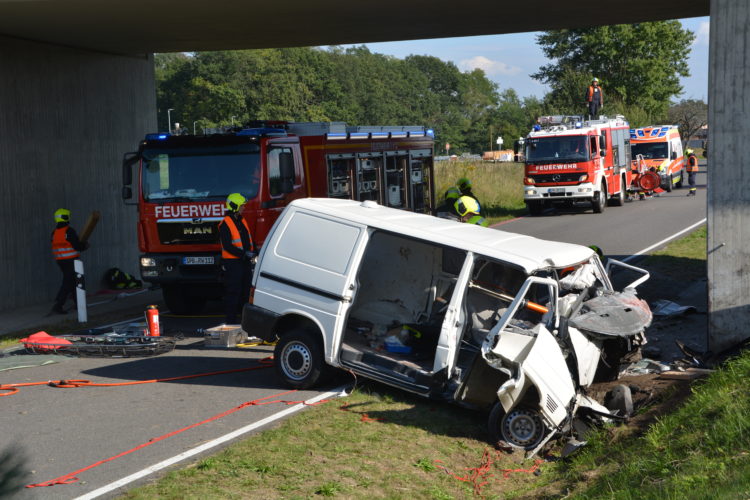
(77,91)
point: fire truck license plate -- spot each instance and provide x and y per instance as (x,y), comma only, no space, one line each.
(197,260)
(556,190)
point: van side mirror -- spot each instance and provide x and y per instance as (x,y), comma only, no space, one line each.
(286,167)
(128,160)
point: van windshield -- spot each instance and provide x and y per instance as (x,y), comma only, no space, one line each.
(556,149)
(650,150)
(194,174)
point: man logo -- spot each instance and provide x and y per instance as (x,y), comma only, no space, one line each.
(197,230)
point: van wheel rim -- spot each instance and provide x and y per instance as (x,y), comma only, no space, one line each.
(522,428)
(296,361)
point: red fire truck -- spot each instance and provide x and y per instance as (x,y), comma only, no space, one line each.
(182,181)
(570,160)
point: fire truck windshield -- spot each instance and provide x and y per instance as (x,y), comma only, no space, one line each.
(571,148)
(186,175)
(650,150)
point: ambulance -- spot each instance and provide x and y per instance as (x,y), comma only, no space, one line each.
(661,148)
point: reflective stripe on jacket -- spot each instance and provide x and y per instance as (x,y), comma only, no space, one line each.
(692,165)
(236,237)
(61,247)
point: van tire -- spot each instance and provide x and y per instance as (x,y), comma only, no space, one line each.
(298,358)
(521,428)
(669,185)
(600,199)
(494,426)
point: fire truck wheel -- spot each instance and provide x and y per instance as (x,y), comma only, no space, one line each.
(683,175)
(600,199)
(535,207)
(618,200)
(179,300)
(669,185)
(298,359)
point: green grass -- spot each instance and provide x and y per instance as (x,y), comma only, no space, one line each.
(684,258)
(401,451)
(498,186)
(700,451)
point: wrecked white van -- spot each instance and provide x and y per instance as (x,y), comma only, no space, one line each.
(484,318)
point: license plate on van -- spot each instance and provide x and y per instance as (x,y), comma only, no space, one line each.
(197,261)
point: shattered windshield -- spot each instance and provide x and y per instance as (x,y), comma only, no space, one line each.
(194,174)
(572,148)
(650,150)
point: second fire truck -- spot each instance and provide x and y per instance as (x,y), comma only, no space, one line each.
(569,160)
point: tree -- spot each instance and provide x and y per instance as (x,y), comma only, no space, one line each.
(690,115)
(637,64)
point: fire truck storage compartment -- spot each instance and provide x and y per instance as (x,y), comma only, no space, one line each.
(420,179)
(399,279)
(396,163)
(340,169)
(369,167)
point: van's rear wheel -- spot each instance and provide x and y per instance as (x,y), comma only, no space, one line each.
(298,358)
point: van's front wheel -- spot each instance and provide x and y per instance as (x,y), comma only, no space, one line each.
(298,358)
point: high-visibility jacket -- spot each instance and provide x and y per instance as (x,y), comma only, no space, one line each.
(478,220)
(62,249)
(236,237)
(692,163)
(590,95)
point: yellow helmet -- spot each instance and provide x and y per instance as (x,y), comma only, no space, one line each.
(463,184)
(62,215)
(689,151)
(452,193)
(235,201)
(466,205)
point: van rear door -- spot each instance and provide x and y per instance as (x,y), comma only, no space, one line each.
(307,268)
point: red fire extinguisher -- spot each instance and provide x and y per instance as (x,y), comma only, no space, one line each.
(152,318)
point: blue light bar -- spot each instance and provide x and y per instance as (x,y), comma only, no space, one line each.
(398,135)
(336,135)
(359,135)
(157,137)
(416,134)
(431,132)
(380,135)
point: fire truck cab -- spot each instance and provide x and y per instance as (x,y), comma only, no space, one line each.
(569,160)
(181,183)
(661,148)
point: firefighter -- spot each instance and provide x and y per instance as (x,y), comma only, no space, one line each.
(466,207)
(66,248)
(447,209)
(692,169)
(478,220)
(594,98)
(464,185)
(237,256)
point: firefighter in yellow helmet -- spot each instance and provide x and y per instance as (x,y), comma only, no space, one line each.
(447,210)
(66,248)
(467,209)
(237,257)
(464,186)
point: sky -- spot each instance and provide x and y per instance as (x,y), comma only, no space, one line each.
(508,60)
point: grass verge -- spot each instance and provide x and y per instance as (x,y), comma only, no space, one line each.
(498,186)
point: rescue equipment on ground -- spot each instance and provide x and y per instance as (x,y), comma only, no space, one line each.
(152,319)
(117,279)
(100,343)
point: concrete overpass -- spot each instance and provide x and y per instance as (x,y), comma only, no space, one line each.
(77,90)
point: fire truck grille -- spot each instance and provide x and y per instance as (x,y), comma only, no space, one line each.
(187,233)
(555,178)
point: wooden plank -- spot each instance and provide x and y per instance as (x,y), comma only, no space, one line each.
(90,226)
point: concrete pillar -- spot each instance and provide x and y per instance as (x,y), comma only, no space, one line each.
(67,117)
(729,174)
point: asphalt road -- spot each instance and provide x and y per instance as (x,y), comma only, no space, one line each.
(61,431)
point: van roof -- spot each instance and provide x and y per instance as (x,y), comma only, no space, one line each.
(526,252)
